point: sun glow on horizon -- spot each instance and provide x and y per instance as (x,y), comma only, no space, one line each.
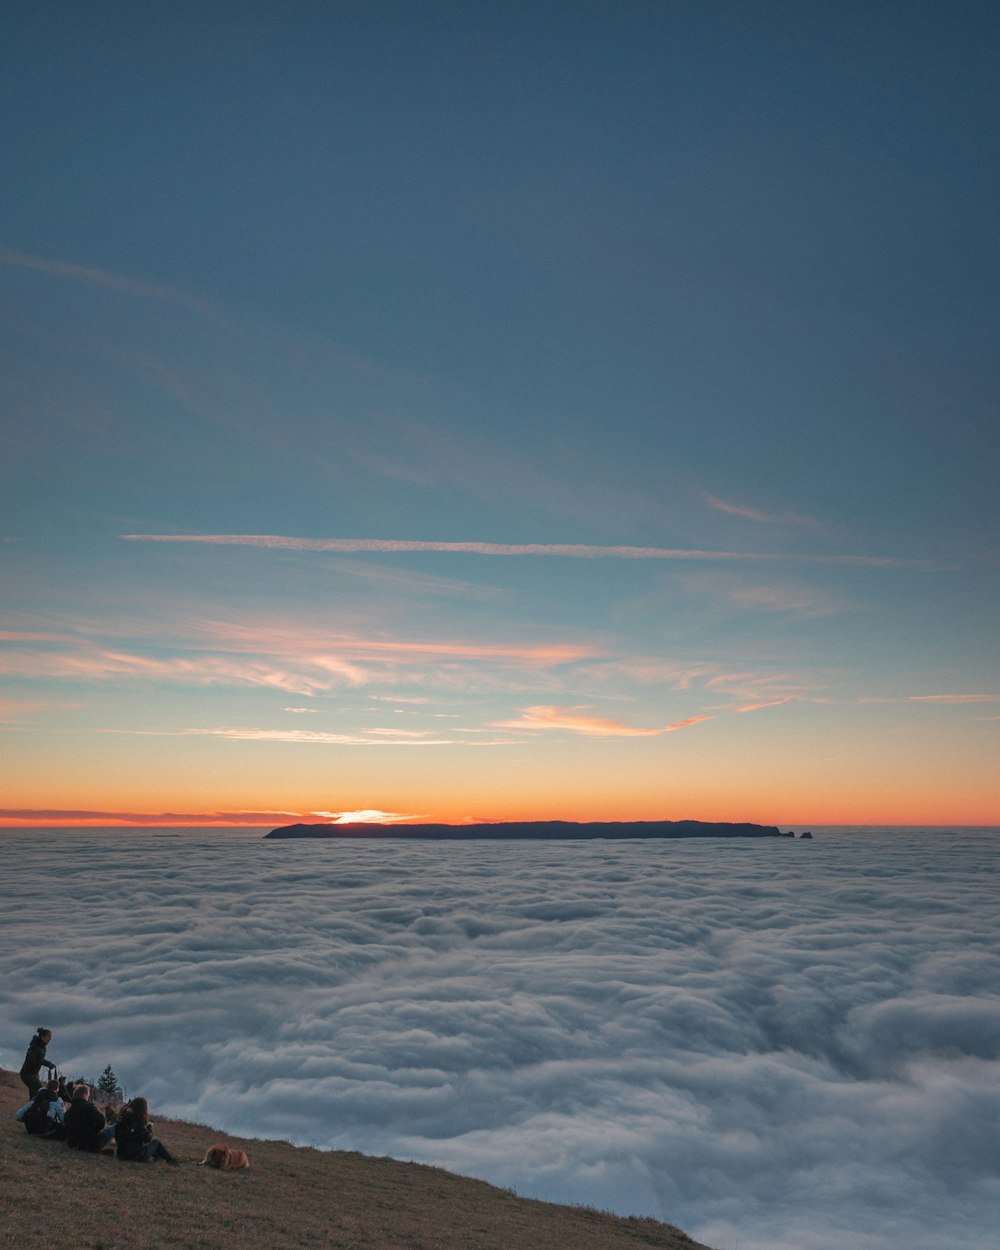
(367,816)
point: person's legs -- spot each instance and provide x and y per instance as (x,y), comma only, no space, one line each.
(107,1136)
(33,1082)
(159,1151)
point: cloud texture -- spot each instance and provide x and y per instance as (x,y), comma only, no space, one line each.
(776,1045)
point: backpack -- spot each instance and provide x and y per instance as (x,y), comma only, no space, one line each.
(36,1118)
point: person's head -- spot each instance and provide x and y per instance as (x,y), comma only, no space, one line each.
(140,1109)
(53,1085)
(44,1035)
(81,1093)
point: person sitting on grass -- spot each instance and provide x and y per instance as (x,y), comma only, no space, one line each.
(43,1114)
(86,1128)
(57,1107)
(134,1136)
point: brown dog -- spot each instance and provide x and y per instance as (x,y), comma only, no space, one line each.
(219,1156)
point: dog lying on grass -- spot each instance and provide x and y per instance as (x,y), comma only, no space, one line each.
(219,1156)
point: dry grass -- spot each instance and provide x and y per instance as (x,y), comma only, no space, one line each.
(293,1198)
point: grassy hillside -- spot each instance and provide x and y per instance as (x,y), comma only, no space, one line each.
(292,1198)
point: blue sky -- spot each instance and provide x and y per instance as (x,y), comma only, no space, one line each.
(712,278)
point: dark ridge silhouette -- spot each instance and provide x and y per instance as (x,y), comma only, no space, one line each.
(536,830)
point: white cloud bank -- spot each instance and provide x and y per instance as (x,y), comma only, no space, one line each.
(777,1045)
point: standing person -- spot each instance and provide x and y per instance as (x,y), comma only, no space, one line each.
(134,1136)
(86,1128)
(34,1060)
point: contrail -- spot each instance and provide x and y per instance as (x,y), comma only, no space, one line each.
(576,551)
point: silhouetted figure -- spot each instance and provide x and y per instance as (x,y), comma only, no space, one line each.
(34,1060)
(86,1128)
(42,1116)
(134,1136)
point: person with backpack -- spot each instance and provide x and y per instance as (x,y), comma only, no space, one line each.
(43,1115)
(134,1138)
(86,1127)
(56,1109)
(34,1060)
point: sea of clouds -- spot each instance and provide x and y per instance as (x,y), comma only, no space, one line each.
(776,1044)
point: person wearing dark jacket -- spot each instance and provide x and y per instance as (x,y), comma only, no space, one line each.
(34,1060)
(43,1115)
(86,1128)
(134,1136)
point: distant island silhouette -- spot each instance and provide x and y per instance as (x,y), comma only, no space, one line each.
(536,830)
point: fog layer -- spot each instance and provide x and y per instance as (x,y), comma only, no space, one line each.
(777,1045)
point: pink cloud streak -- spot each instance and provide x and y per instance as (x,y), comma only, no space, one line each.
(315,737)
(307,664)
(35,815)
(547,717)
(757,707)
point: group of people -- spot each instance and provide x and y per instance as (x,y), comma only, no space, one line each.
(64,1110)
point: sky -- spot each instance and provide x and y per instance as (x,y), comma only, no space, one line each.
(459,412)
(774,1044)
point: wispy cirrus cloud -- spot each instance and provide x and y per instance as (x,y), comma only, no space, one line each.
(13,711)
(35,635)
(756,689)
(767,518)
(394,579)
(308,643)
(104,278)
(417,699)
(571,718)
(726,589)
(579,551)
(301,662)
(646,670)
(942,700)
(758,707)
(805,602)
(372,737)
(953,698)
(91,664)
(315,737)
